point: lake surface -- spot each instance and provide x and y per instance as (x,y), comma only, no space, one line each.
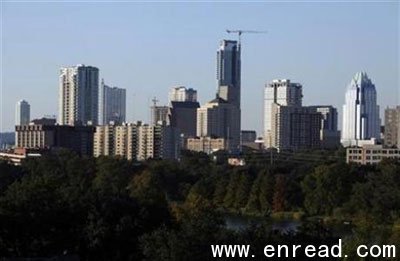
(239,222)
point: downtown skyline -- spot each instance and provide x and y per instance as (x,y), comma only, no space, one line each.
(257,66)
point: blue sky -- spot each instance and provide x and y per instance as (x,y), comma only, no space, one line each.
(149,47)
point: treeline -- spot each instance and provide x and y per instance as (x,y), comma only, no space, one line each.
(114,209)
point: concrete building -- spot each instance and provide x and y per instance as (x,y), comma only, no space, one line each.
(78,95)
(206,144)
(18,155)
(182,94)
(229,72)
(329,134)
(217,119)
(248,136)
(360,112)
(22,113)
(137,141)
(229,88)
(112,104)
(281,92)
(294,128)
(183,116)
(392,127)
(75,138)
(160,114)
(370,154)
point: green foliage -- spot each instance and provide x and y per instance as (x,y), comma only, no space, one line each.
(113,209)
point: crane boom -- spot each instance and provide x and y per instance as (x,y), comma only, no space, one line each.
(240,32)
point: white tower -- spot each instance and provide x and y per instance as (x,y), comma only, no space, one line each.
(361,122)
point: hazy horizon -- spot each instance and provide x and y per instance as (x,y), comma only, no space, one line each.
(147,48)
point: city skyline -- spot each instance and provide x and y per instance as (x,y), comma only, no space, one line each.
(255,73)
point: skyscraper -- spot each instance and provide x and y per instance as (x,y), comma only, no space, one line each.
(78,95)
(229,85)
(361,120)
(281,92)
(112,104)
(22,113)
(229,71)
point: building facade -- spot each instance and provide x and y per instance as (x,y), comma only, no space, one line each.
(112,105)
(281,92)
(182,94)
(160,114)
(75,138)
(22,113)
(370,154)
(137,141)
(294,128)
(392,127)
(329,133)
(183,116)
(206,144)
(78,95)
(360,112)
(217,119)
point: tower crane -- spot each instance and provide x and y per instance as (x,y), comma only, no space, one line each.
(240,32)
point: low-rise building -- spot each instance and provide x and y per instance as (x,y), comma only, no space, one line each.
(206,144)
(18,155)
(370,154)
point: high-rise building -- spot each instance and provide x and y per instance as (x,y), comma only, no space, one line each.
(281,92)
(329,134)
(22,113)
(294,128)
(137,141)
(78,95)
(392,127)
(112,104)
(361,120)
(229,71)
(159,114)
(182,94)
(183,116)
(217,119)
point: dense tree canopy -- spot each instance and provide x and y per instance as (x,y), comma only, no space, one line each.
(112,209)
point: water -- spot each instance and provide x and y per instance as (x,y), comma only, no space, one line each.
(238,222)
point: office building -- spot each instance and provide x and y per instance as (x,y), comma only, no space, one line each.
(229,88)
(112,106)
(370,154)
(217,119)
(248,136)
(22,113)
(182,94)
(392,127)
(183,116)
(206,144)
(281,92)
(75,138)
(361,120)
(159,114)
(329,134)
(229,72)
(294,128)
(78,95)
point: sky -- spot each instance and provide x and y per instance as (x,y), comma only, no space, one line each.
(148,48)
